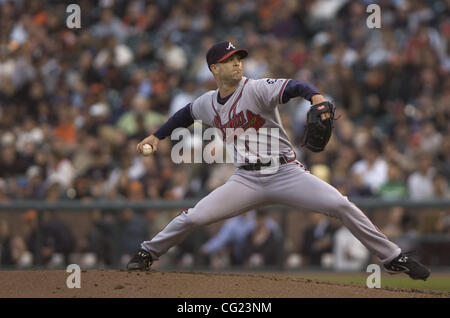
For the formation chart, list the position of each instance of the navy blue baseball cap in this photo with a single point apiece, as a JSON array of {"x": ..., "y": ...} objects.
[{"x": 221, "y": 51}]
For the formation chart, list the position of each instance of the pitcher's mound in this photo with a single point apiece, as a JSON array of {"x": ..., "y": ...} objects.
[{"x": 120, "y": 283}]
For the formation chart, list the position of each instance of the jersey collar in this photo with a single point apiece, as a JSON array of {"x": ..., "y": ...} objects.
[{"x": 230, "y": 97}]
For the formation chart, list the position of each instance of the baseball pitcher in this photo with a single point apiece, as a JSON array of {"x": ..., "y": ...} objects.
[{"x": 242, "y": 104}]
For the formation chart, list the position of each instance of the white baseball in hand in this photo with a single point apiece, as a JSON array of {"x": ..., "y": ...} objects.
[{"x": 147, "y": 149}]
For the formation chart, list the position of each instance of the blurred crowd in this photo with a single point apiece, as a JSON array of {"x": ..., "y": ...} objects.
[{"x": 75, "y": 102}]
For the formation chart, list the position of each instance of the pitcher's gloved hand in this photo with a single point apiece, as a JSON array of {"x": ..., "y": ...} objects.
[{"x": 319, "y": 126}]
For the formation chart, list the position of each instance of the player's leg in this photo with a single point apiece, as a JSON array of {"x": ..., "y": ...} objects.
[
  {"x": 296, "y": 187},
  {"x": 236, "y": 196}
]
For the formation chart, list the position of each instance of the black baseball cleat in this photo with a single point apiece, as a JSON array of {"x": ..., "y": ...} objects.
[
  {"x": 142, "y": 260},
  {"x": 405, "y": 264}
]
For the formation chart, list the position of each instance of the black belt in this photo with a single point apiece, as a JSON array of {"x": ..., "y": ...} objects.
[{"x": 257, "y": 165}]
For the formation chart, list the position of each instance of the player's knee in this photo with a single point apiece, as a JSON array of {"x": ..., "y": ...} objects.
[{"x": 340, "y": 205}]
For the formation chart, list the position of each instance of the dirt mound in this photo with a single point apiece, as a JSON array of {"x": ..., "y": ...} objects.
[{"x": 154, "y": 284}]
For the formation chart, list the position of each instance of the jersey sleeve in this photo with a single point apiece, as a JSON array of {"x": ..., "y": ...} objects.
[
  {"x": 268, "y": 92},
  {"x": 201, "y": 109}
]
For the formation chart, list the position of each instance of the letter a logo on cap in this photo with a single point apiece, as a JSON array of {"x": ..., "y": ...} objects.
[{"x": 230, "y": 46}]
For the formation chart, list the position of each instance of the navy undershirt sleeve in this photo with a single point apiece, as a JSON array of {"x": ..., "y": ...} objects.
[
  {"x": 182, "y": 118},
  {"x": 296, "y": 88}
]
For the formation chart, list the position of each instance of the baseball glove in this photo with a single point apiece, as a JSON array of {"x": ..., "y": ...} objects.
[{"x": 318, "y": 129}]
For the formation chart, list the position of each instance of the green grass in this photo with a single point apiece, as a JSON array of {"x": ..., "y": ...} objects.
[{"x": 437, "y": 282}]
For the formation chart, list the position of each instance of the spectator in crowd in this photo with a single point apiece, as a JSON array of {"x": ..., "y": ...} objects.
[
  {"x": 21, "y": 256},
  {"x": 317, "y": 239},
  {"x": 13, "y": 250},
  {"x": 5, "y": 245},
  {"x": 54, "y": 243},
  {"x": 372, "y": 168},
  {"x": 431, "y": 139},
  {"x": 348, "y": 253},
  {"x": 133, "y": 227},
  {"x": 444, "y": 158},
  {"x": 11, "y": 163},
  {"x": 102, "y": 241},
  {"x": 232, "y": 237},
  {"x": 188, "y": 252},
  {"x": 443, "y": 223},
  {"x": 358, "y": 188},
  {"x": 393, "y": 227},
  {"x": 4, "y": 198},
  {"x": 420, "y": 183},
  {"x": 36, "y": 182},
  {"x": 133, "y": 230},
  {"x": 394, "y": 187},
  {"x": 408, "y": 240},
  {"x": 60, "y": 168},
  {"x": 263, "y": 246},
  {"x": 441, "y": 187},
  {"x": 183, "y": 97}
]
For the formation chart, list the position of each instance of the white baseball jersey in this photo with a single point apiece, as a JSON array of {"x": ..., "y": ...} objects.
[{"x": 251, "y": 113}]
